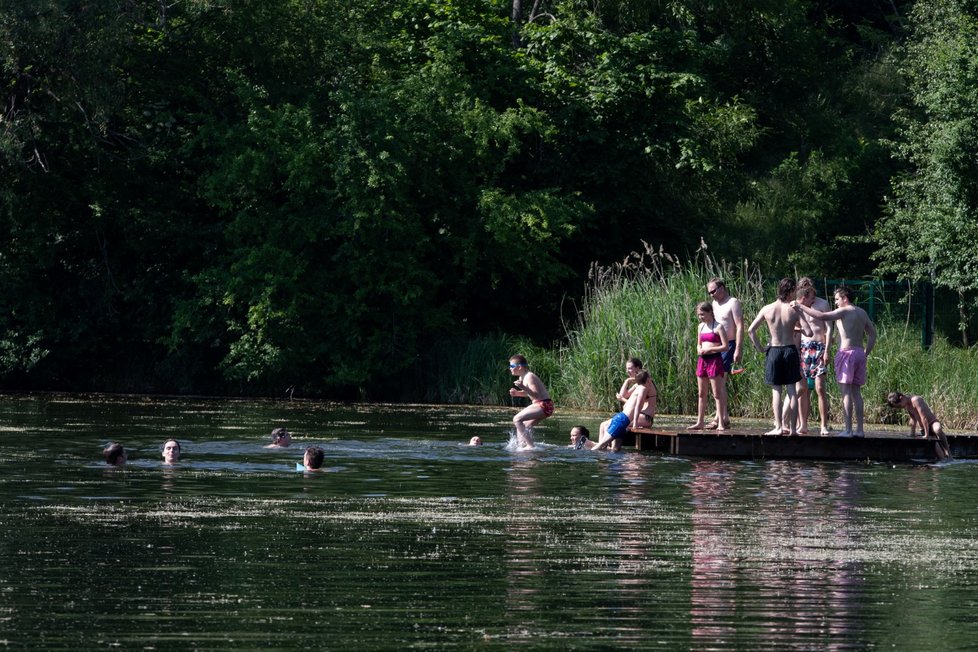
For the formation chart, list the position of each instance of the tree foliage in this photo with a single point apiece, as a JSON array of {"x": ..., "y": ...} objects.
[
  {"x": 240, "y": 196},
  {"x": 931, "y": 223}
]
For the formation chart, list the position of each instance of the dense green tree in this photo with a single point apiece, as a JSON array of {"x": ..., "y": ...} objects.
[{"x": 931, "y": 223}]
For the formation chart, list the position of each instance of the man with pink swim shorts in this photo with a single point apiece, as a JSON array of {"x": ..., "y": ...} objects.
[{"x": 850, "y": 361}]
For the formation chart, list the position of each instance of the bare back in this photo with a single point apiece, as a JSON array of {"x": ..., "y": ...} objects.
[{"x": 781, "y": 320}]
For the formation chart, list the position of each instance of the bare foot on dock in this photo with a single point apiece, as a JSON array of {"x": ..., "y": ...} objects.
[
  {"x": 859, "y": 433},
  {"x": 696, "y": 426},
  {"x": 722, "y": 429},
  {"x": 844, "y": 433},
  {"x": 825, "y": 432},
  {"x": 802, "y": 431},
  {"x": 775, "y": 431}
]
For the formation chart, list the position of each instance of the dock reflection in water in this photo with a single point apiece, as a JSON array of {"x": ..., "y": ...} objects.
[{"x": 413, "y": 539}]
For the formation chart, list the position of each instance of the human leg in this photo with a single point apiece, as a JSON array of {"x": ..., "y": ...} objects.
[
  {"x": 847, "y": 408},
  {"x": 792, "y": 400},
  {"x": 823, "y": 403},
  {"x": 941, "y": 447},
  {"x": 718, "y": 385},
  {"x": 702, "y": 389},
  {"x": 524, "y": 420},
  {"x": 804, "y": 404},
  {"x": 857, "y": 405},
  {"x": 776, "y": 408}
]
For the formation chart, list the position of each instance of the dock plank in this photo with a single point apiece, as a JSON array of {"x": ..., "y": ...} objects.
[{"x": 756, "y": 445}]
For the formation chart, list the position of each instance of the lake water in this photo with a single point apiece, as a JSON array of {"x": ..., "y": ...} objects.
[{"x": 411, "y": 539}]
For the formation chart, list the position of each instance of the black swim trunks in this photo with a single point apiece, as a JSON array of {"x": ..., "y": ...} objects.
[{"x": 782, "y": 365}]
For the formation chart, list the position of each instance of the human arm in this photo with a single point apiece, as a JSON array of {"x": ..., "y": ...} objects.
[
  {"x": 870, "y": 336},
  {"x": 738, "y": 319},
  {"x": 626, "y": 389},
  {"x": 752, "y": 331}
]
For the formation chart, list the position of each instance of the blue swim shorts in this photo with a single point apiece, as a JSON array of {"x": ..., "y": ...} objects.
[{"x": 618, "y": 424}]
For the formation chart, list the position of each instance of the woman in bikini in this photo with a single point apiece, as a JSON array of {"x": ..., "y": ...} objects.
[{"x": 711, "y": 341}]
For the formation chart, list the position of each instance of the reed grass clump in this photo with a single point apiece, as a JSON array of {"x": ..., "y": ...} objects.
[{"x": 645, "y": 307}]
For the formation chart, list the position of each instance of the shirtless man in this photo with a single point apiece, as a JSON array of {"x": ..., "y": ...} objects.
[
  {"x": 730, "y": 315},
  {"x": 921, "y": 415},
  {"x": 530, "y": 386},
  {"x": 783, "y": 363},
  {"x": 613, "y": 428},
  {"x": 814, "y": 358},
  {"x": 850, "y": 360}
]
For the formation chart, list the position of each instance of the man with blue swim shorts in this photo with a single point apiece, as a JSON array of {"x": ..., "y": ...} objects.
[
  {"x": 614, "y": 428},
  {"x": 729, "y": 313}
]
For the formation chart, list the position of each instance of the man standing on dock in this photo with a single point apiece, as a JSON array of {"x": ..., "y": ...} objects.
[
  {"x": 850, "y": 361},
  {"x": 728, "y": 312},
  {"x": 814, "y": 358},
  {"x": 782, "y": 367}
]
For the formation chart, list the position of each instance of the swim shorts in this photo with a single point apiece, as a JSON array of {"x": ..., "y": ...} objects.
[
  {"x": 618, "y": 424},
  {"x": 850, "y": 366},
  {"x": 710, "y": 366},
  {"x": 728, "y": 356},
  {"x": 782, "y": 365},
  {"x": 546, "y": 405},
  {"x": 811, "y": 358}
]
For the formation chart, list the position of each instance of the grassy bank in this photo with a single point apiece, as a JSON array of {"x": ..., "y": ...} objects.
[{"x": 645, "y": 307}]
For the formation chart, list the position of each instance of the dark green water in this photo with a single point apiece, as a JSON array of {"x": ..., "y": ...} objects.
[{"x": 412, "y": 539}]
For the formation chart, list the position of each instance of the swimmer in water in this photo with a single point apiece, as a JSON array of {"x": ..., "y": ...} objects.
[
  {"x": 115, "y": 454},
  {"x": 580, "y": 439},
  {"x": 475, "y": 441},
  {"x": 171, "y": 451},
  {"x": 313, "y": 458},
  {"x": 281, "y": 438}
]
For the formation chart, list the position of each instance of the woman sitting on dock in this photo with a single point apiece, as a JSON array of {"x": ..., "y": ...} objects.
[{"x": 647, "y": 416}]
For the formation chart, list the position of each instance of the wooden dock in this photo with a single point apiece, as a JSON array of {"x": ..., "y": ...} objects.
[{"x": 755, "y": 445}]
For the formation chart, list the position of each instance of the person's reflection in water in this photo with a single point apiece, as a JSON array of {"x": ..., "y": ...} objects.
[
  {"x": 808, "y": 583},
  {"x": 524, "y": 570},
  {"x": 713, "y": 594}
]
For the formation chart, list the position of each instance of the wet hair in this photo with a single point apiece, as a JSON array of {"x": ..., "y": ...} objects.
[
  {"x": 316, "y": 456},
  {"x": 279, "y": 433},
  {"x": 893, "y": 398},
  {"x": 636, "y": 362},
  {"x": 585, "y": 435},
  {"x": 519, "y": 359},
  {"x": 179, "y": 450},
  {"x": 845, "y": 291},
  {"x": 113, "y": 453},
  {"x": 706, "y": 306},
  {"x": 642, "y": 377},
  {"x": 786, "y": 287}
]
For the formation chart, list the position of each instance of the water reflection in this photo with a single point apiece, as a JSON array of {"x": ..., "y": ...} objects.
[
  {"x": 780, "y": 561},
  {"x": 416, "y": 540}
]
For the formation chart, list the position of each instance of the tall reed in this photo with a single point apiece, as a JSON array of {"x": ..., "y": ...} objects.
[{"x": 645, "y": 307}]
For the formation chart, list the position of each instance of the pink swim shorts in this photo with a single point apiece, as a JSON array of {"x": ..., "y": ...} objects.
[{"x": 850, "y": 366}]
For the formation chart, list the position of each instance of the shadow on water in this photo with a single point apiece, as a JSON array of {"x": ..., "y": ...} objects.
[{"x": 412, "y": 538}]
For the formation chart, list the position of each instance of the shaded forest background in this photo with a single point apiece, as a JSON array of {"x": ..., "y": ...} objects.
[{"x": 240, "y": 196}]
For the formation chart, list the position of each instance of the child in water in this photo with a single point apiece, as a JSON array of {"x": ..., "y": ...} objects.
[{"x": 530, "y": 386}]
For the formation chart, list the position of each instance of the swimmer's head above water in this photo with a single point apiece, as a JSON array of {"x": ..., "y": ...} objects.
[
  {"x": 281, "y": 438},
  {"x": 578, "y": 435},
  {"x": 475, "y": 441}
]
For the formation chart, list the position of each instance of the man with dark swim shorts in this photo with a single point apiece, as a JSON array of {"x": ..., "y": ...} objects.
[{"x": 782, "y": 364}]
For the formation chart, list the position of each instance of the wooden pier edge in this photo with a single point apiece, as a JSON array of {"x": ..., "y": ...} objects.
[{"x": 756, "y": 445}]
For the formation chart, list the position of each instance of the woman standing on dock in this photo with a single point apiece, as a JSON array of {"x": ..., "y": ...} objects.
[{"x": 711, "y": 341}]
